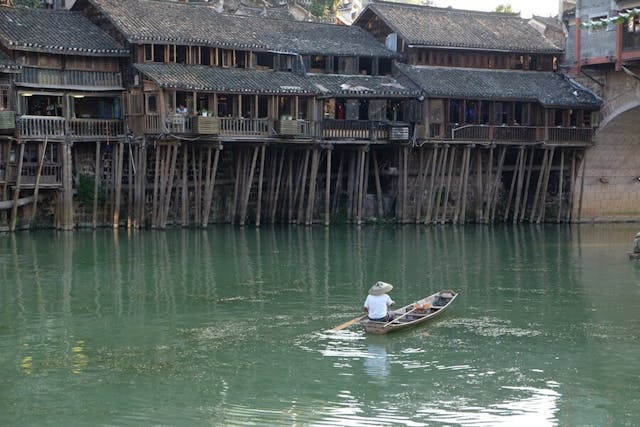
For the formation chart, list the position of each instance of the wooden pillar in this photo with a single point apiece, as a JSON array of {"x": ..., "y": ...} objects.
[
  {"x": 302, "y": 185},
  {"x": 312, "y": 185},
  {"x": 465, "y": 184},
  {"x": 448, "y": 186},
  {"x": 512, "y": 187},
  {"x": 525, "y": 197},
  {"x": 185, "y": 187},
  {"x": 493, "y": 199},
  {"x": 119, "y": 150},
  {"x": 560, "y": 186},
  {"x": 208, "y": 194},
  {"x": 156, "y": 188},
  {"x": 537, "y": 196},
  {"x": 434, "y": 162},
  {"x": 67, "y": 185},
  {"x": 96, "y": 184},
  {"x": 376, "y": 176},
  {"x": 545, "y": 186},
  {"x": 247, "y": 187}
]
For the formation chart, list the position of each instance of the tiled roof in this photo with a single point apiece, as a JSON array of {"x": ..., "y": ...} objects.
[
  {"x": 229, "y": 80},
  {"x": 454, "y": 28},
  {"x": 547, "y": 88},
  {"x": 240, "y": 80},
  {"x": 147, "y": 21},
  {"x": 61, "y": 32},
  {"x": 342, "y": 85}
]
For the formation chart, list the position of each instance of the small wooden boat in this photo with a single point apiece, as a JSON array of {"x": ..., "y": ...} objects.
[
  {"x": 633, "y": 255},
  {"x": 413, "y": 314}
]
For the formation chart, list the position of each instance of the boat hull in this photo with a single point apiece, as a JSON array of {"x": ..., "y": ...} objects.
[{"x": 413, "y": 314}]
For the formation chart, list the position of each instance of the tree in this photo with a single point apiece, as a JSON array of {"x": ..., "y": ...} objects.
[{"x": 505, "y": 8}]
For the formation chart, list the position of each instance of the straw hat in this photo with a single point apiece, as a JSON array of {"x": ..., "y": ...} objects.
[{"x": 380, "y": 288}]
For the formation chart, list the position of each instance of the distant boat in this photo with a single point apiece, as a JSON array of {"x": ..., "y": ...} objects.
[{"x": 413, "y": 314}]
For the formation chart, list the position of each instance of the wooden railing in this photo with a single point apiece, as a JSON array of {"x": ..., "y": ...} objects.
[
  {"x": 7, "y": 120},
  {"x": 41, "y": 126},
  {"x": 44, "y": 126},
  {"x": 509, "y": 133},
  {"x": 233, "y": 126},
  {"x": 353, "y": 129},
  {"x": 51, "y": 77},
  {"x": 96, "y": 128}
]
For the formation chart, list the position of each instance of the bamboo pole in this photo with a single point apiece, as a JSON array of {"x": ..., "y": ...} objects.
[
  {"x": 260, "y": 181},
  {"x": 37, "y": 186}
]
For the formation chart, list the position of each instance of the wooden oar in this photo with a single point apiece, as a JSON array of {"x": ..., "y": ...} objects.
[{"x": 349, "y": 323}]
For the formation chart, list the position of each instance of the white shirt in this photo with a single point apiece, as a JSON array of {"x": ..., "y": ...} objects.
[{"x": 377, "y": 305}]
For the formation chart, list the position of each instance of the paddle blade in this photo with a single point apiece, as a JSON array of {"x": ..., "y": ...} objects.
[{"x": 347, "y": 324}]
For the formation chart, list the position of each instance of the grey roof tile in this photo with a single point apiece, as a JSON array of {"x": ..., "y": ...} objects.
[
  {"x": 61, "y": 32},
  {"x": 547, "y": 88},
  {"x": 446, "y": 27},
  {"x": 199, "y": 24},
  {"x": 240, "y": 80}
]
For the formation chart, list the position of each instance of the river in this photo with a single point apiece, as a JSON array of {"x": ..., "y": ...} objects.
[{"x": 229, "y": 327}]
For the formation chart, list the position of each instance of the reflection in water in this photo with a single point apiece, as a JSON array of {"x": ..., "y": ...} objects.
[
  {"x": 229, "y": 326},
  {"x": 376, "y": 364}
]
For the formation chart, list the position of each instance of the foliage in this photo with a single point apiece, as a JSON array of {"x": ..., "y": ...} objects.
[
  {"x": 505, "y": 8},
  {"x": 85, "y": 193}
]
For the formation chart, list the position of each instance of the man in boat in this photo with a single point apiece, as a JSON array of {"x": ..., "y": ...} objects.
[
  {"x": 378, "y": 302},
  {"x": 636, "y": 244}
]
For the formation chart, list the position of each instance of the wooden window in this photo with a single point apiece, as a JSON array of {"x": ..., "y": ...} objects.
[
  {"x": 317, "y": 62},
  {"x": 152, "y": 103},
  {"x": 264, "y": 60},
  {"x": 148, "y": 53},
  {"x": 205, "y": 55},
  {"x": 181, "y": 54},
  {"x": 159, "y": 53},
  {"x": 172, "y": 53}
]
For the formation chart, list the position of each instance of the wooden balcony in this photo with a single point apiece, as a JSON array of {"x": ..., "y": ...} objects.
[
  {"x": 39, "y": 127},
  {"x": 516, "y": 134},
  {"x": 42, "y": 77},
  {"x": 233, "y": 126}
]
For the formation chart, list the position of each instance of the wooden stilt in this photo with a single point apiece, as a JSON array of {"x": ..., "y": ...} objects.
[
  {"x": 458, "y": 207},
  {"x": 514, "y": 178},
  {"x": 479, "y": 186},
  {"x": 487, "y": 187},
  {"x": 545, "y": 186},
  {"x": 236, "y": 185},
  {"x": 67, "y": 185},
  {"x": 572, "y": 186},
  {"x": 118, "y": 178},
  {"x": 277, "y": 188},
  {"x": 493, "y": 199},
  {"x": 5, "y": 185},
  {"x": 260, "y": 181},
  {"x": 442, "y": 172},
  {"x": 448, "y": 186},
  {"x": 360, "y": 185},
  {"x": 376, "y": 177},
  {"x": 338, "y": 186},
  {"x": 16, "y": 192},
  {"x": 525, "y": 196},
  {"x": 212, "y": 169},
  {"x": 583, "y": 166},
  {"x": 36, "y": 189},
  {"x": 170, "y": 180},
  {"x": 351, "y": 178},
  {"x": 130, "y": 184},
  {"x": 405, "y": 182},
  {"x": 327, "y": 188},
  {"x": 247, "y": 187},
  {"x": 185, "y": 187},
  {"x": 465, "y": 182},
  {"x": 434, "y": 161},
  {"x": 96, "y": 185},
  {"x": 290, "y": 193},
  {"x": 156, "y": 188},
  {"x": 560, "y": 187},
  {"x": 537, "y": 195},
  {"x": 315, "y": 160},
  {"x": 302, "y": 187}
]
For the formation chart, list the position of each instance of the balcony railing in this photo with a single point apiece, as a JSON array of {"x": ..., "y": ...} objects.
[
  {"x": 509, "y": 133},
  {"x": 233, "y": 126},
  {"x": 65, "y": 78},
  {"x": 50, "y": 174},
  {"x": 44, "y": 126},
  {"x": 353, "y": 129}
]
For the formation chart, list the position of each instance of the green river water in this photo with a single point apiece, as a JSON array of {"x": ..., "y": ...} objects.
[{"x": 229, "y": 327}]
